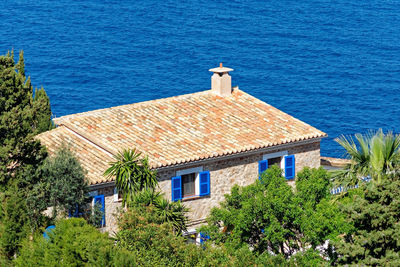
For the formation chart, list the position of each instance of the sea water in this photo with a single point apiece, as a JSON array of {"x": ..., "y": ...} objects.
[{"x": 332, "y": 64}]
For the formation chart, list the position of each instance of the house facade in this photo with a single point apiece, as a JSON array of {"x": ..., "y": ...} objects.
[{"x": 200, "y": 144}]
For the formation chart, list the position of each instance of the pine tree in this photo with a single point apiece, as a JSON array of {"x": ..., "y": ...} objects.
[{"x": 375, "y": 239}]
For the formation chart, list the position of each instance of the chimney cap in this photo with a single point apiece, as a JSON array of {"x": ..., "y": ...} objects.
[{"x": 220, "y": 69}]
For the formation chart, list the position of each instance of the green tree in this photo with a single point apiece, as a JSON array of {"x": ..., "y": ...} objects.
[
  {"x": 313, "y": 185},
  {"x": 21, "y": 117},
  {"x": 376, "y": 155},
  {"x": 375, "y": 214},
  {"x": 151, "y": 241},
  {"x": 269, "y": 216},
  {"x": 132, "y": 174},
  {"x": 72, "y": 243},
  {"x": 41, "y": 106},
  {"x": 264, "y": 215},
  {"x": 321, "y": 218},
  {"x": 64, "y": 182},
  {"x": 14, "y": 225}
]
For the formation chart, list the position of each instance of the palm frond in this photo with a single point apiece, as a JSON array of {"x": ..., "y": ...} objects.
[
  {"x": 132, "y": 174},
  {"x": 376, "y": 155}
]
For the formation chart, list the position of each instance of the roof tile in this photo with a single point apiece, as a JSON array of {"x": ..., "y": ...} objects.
[{"x": 180, "y": 129}]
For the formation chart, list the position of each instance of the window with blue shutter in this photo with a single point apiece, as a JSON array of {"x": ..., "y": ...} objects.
[
  {"x": 262, "y": 166},
  {"x": 99, "y": 201},
  {"x": 289, "y": 167},
  {"x": 204, "y": 183},
  {"x": 176, "y": 188}
]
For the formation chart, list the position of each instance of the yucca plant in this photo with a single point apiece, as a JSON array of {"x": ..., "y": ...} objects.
[
  {"x": 146, "y": 197},
  {"x": 132, "y": 174},
  {"x": 172, "y": 212},
  {"x": 376, "y": 155}
]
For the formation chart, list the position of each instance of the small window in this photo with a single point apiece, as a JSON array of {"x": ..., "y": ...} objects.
[
  {"x": 191, "y": 237},
  {"x": 275, "y": 161},
  {"x": 281, "y": 159},
  {"x": 189, "y": 185}
]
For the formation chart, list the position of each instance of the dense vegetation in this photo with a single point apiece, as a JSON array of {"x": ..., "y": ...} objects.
[
  {"x": 267, "y": 223},
  {"x": 30, "y": 180}
]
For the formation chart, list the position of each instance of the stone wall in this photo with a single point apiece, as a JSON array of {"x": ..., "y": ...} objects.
[
  {"x": 239, "y": 170},
  {"x": 111, "y": 208},
  {"x": 224, "y": 173}
]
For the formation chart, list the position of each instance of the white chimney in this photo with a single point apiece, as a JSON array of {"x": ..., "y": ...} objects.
[{"x": 221, "y": 83}]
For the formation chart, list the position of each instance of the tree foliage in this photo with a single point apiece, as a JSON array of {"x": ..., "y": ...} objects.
[
  {"x": 170, "y": 212},
  {"x": 64, "y": 182},
  {"x": 14, "y": 224},
  {"x": 21, "y": 117},
  {"x": 321, "y": 218},
  {"x": 375, "y": 214},
  {"x": 270, "y": 217},
  {"x": 72, "y": 243},
  {"x": 151, "y": 241}
]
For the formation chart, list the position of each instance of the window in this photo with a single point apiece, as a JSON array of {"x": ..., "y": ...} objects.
[
  {"x": 117, "y": 195},
  {"x": 282, "y": 159},
  {"x": 188, "y": 183},
  {"x": 275, "y": 161},
  {"x": 191, "y": 237}
]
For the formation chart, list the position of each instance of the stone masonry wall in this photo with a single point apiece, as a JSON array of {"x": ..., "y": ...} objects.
[
  {"x": 240, "y": 170},
  {"x": 223, "y": 175},
  {"x": 111, "y": 208}
]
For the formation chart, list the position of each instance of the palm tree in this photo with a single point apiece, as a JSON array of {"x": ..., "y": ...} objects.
[
  {"x": 137, "y": 183},
  {"x": 377, "y": 155},
  {"x": 132, "y": 174}
]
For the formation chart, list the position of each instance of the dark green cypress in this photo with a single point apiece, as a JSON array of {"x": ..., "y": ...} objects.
[{"x": 21, "y": 118}]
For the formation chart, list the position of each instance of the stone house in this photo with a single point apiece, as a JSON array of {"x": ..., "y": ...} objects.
[{"x": 200, "y": 144}]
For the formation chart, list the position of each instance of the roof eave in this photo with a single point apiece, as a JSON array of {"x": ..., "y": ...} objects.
[{"x": 240, "y": 154}]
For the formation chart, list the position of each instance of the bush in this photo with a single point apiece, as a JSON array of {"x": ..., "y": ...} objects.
[{"x": 72, "y": 243}]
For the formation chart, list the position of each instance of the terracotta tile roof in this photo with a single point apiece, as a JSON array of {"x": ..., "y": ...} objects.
[
  {"x": 93, "y": 159},
  {"x": 190, "y": 127}
]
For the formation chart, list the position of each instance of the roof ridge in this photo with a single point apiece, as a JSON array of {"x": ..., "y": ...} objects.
[{"x": 60, "y": 120}]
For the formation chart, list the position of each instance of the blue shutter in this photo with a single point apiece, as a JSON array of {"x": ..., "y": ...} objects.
[
  {"x": 176, "y": 188},
  {"x": 76, "y": 213},
  {"x": 262, "y": 166},
  {"x": 48, "y": 231},
  {"x": 203, "y": 237},
  {"x": 100, "y": 200},
  {"x": 204, "y": 183},
  {"x": 289, "y": 167}
]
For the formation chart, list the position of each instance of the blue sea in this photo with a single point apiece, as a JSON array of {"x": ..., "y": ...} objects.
[{"x": 332, "y": 64}]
